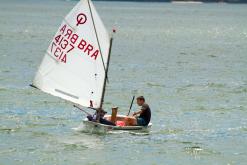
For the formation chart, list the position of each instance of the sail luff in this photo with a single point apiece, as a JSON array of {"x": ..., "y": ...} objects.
[
  {"x": 96, "y": 35},
  {"x": 108, "y": 60}
]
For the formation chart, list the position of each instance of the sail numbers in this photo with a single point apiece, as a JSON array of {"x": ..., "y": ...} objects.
[{"x": 66, "y": 41}]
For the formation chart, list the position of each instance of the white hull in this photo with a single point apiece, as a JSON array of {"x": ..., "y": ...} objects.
[{"x": 93, "y": 127}]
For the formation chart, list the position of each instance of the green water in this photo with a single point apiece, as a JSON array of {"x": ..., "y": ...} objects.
[{"x": 188, "y": 60}]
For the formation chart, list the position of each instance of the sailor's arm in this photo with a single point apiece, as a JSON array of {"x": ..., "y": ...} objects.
[{"x": 137, "y": 113}]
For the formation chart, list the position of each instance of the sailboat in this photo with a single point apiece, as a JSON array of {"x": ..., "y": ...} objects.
[{"x": 76, "y": 63}]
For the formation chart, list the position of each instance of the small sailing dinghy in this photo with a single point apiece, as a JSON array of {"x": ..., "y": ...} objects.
[{"x": 76, "y": 62}]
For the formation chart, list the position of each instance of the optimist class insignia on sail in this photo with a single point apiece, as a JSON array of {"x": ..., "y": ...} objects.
[{"x": 66, "y": 40}]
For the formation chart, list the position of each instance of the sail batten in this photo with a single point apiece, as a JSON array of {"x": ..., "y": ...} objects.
[{"x": 72, "y": 68}]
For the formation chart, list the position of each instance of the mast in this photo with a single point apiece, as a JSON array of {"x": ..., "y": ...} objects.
[
  {"x": 108, "y": 60},
  {"x": 106, "y": 71}
]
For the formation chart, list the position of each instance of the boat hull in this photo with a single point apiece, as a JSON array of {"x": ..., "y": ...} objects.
[{"x": 94, "y": 127}]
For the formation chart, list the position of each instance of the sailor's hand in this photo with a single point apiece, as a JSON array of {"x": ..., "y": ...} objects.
[{"x": 134, "y": 114}]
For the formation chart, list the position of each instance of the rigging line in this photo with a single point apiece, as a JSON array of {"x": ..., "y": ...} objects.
[{"x": 101, "y": 55}]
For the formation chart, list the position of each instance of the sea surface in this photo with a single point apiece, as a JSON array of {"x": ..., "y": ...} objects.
[{"x": 188, "y": 60}]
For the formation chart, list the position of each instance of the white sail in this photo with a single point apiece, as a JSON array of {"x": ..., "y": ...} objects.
[{"x": 72, "y": 67}]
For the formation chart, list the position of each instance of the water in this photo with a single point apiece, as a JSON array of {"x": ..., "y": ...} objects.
[{"x": 188, "y": 60}]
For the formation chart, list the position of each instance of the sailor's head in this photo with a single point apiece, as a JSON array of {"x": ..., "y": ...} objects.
[{"x": 140, "y": 100}]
